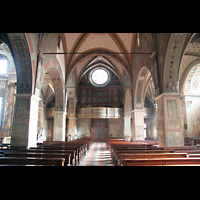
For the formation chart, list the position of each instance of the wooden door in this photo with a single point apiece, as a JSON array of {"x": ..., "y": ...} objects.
[{"x": 99, "y": 130}]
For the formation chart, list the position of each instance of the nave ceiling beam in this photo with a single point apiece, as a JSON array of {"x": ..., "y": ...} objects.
[{"x": 101, "y": 53}]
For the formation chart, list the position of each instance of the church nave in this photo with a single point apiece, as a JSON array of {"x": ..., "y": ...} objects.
[{"x": 98, "y": 155}]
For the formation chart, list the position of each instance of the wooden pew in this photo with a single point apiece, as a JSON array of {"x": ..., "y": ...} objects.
[
  {"x": 115, "y": 149},
  {"x": 73, "y": 160},
  {"x": 79, "y": 145},
  {"x": 161, "y": 161},
  {"x": 122, "y": 157},
  {"x": 183, "y": 148},
  {"x": 66, "y": 156},
  {"x": 9, "y": 150},
  {"x": 32, "y": 161},
  {"x": 64, "y": 148},
  {"x": 180, "y": 158},
  {"x": 71, "y": 151},
  {"x": 194, "y": 155},
  {"x": 120, "y": 141},
  {"x": 23, "y": 150},
  {"x": 83, "y": 142},
  {"x": 117, "y": 153},
  {"x": 141, "y": 153},
  {"x": 4, "y": 146}
]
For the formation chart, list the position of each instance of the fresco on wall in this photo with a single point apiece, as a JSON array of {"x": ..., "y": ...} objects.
[
  {"x": 193, "y": 80},
  {"x": 173, "y": 121}
]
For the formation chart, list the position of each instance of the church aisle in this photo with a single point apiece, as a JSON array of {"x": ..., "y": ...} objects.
[{"x": 98, "y": 155}]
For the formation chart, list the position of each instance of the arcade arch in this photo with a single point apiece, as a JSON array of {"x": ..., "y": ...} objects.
[
  {"x": 117, "y": 87},
  {"x": 190, "y": 98},
  {"x": 52, "y": 101},
  {"x": 148, "y": 67},
  {"x": 8, "y": 88},
  {"x": 144, "y": 115}
]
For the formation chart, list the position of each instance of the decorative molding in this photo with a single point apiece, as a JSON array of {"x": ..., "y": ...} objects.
[
  {"x": 172, "y": 62},
  {"x": 167, "y": 95}
]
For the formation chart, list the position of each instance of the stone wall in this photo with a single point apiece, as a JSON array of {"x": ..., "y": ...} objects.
[
  {"x": 196, "y": 116},
  {"x": 84, "y": 128},
  {"x": 115, "y": 128},
  {"x": 190, "y": 114}
]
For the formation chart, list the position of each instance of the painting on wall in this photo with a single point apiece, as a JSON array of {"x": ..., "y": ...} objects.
[
  {"x": 195, "y": 86},
  {"x": 173, "y": 121}
]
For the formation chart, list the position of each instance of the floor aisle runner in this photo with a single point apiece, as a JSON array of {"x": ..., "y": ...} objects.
[{"x": 98, "y": 155}]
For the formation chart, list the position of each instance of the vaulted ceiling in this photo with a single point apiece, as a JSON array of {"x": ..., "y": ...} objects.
[
  {"x": 111, "y": 42},
  {"x": 121, "y": 51},
  {"x": 119, "y": 43}
]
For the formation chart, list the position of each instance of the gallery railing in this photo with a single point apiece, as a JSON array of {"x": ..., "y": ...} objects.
[{"x": 100, "y": 112}]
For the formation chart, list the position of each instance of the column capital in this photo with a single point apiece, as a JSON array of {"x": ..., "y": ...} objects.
[
  {"x": 59, "y": 112},
  {"x": 138, "y": 110},
  {"x": 72, "y": 118},
  {"x": 190, "y": 95},
  {"x": 28, "y": 96},
  {"x": 23, "y": 95},
  {"x": 168, "y": 95}
]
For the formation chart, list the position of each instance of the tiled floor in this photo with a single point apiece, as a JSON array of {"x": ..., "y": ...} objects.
[{"x": 98, "y": 155}]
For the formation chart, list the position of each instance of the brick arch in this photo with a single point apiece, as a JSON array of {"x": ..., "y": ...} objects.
[
  {"x": 30, "y": 42},
  {"x": 57, "y": 77},
  {"x": 174, "y": 52},
  {"x": 99, "y": 51},
  {"x": 18, "y": 45},
  {"x": 139, "y": 88},
  {"x": 147, "y": 62},
  {"x": 184, "y": 77},
  {"x": 128, "y": 103}
]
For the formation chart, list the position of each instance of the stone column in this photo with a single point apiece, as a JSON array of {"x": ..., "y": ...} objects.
[
  {"x": 9, "y": 104},
  {"x": 138, "y": 124},
  {"x": 24, "y": 131},
  {"x": 170, "y": 130},
  {"x": 155, "y": 123},
  {"x": 72, "y": 128},
  {"x": 127, "y": 112},
  {"x": 33, "y": 121},
  {"x": 186, "y": 105},
  {"x": 59, "y": 126},
  {"x": 127, "y": 128},
  {"x": 40, "y": 119}
]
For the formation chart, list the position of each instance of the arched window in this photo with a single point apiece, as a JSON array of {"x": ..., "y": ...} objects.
[
  {"x": 99, "y": 77},
  {"x": 3, "y": 64},
  {"x": 193, "y": 80}
]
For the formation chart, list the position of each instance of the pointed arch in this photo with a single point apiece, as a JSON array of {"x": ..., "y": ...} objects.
[
  {"x": 18, "y": 45},
  {"x": 54, "y": 69},
  {"x": 173, "y": 55},
  {"x": 140, "y": 88}
]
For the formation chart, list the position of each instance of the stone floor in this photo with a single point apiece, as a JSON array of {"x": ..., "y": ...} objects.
[{"x": 98, "y": 155}]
